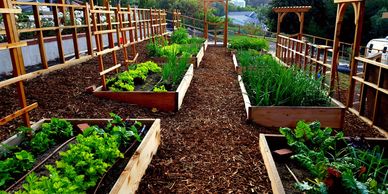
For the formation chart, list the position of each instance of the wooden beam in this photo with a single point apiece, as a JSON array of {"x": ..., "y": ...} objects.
[
  {"x": 385, "y": 15},
  {"x": 18, "y": 113}
]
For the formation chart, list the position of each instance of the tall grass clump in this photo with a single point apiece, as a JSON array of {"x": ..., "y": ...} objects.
[
  {"x": 269, "y": 83},
  {"x": 245, "y": 43},
  {"x": 173, "y": 71}
]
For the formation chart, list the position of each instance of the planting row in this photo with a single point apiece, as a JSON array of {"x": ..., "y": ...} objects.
[
  {"x": 78, "y": 156},
  {"x": 163, "y": 82},
  {"x": 278, "y": 96}
]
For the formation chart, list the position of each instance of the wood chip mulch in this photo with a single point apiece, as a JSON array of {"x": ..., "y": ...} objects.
[{"x": 206, "y": 147}]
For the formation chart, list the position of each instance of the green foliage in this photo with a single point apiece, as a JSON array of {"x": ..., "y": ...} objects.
[
  {"x": 174, "y": 69},
  {"x": 16, "y": 165},
  {"x": 348, "y": 170},
  {"x": 245, "y": 43},
  {"x": 125, "y": 80},
  {"x": 159, "y": 89},
  {"x": 269, "y": 83},
  {"x": 180, "y": 36},
  {"x": 154, "y": 48},
  {"x": 81, "y": 166},
  {"x": 19, "y": 162}
]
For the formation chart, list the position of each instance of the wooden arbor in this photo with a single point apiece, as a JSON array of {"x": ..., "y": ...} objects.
[
  {"x": 283, "y": 11},
  {"x": 359, "y": 8},
  {"x": 206, "y": 27},
  {"x": 298, "y": 10}
]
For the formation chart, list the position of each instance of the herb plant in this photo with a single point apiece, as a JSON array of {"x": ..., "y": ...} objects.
[{"x": 269, "y": 83}]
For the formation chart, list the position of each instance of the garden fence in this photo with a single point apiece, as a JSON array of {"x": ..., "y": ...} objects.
[
  {"x": 367, "y": 86},
  {"x": 125, "y": 27}
]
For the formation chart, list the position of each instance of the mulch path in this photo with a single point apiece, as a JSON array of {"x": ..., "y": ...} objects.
[{"x": 206, "y": 147}]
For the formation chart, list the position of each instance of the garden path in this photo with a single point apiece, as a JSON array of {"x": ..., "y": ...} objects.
[{"x": 207, "y": 146}]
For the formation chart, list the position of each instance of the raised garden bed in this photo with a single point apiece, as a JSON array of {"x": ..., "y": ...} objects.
[
  {"x": 124, "y": 175},
  {"x": 287, "y": 116},
  {"x": 164, "y": 101},
  {"x": 282, "y": 180},
  {"x": 197, "y": 59}
]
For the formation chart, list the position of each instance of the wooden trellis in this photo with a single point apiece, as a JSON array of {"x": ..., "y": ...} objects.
[
  {"x": 128, "y": 26},
  {"x": 206, "y": 23},
  {"x": 13, "y": 46}
]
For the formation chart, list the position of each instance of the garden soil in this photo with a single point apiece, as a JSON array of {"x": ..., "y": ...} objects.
[{"x": 206, "y": 147}]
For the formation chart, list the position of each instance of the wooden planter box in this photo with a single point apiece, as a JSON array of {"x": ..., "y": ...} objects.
[
  {"x": 129, "y": 180},
  {"x": 288, "y": 116},
  {"x": 269, "y": 143},
  {"x": 164, "y": 101},
  {"x": 194, "y": 60}
]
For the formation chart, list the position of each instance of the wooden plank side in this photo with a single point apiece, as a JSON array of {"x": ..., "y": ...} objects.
[
  {"x": 200, "y": 55},
  {"x": 247, "y": 102},
  {"x": 184, "y": 85},
  {"x": 130, "y": 178},
  {"x": 273, "y": 174},
  {"x": 164, "y": 101},
  {"x": 283, "y": 116}
]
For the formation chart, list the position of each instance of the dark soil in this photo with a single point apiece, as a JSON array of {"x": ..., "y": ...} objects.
[{"x": 206, "y": 147}]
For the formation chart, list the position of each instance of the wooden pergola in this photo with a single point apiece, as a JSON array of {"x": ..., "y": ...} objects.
[
  {"x": 206, "y": 23},
  {"x": 298, "y": 10},
  {"x": 359, "y": 9}
]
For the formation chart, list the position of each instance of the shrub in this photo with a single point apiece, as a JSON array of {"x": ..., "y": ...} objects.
[{"x": 245, "y": 43}]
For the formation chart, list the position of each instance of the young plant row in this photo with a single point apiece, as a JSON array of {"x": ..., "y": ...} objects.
[
  {"x": 353, "y": 168},
  {"x": 246, "y": 43},
  {"x": 269, "y": 83},
  {"x": 180, "y": 41},
  {"x": 85, "y": 161},
  {"x": 17, "y": 160}
]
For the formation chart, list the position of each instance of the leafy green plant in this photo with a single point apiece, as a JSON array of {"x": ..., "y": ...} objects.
[
  {"x": 245, "y": 43},
  {"x": 153, "y": 48},
  {"x": 269, "y": 83},
  {"x": 125, "y": 81},
  {"x": 347, "y": 170},
  {"x": 180, "y": 36},
  {"x": 80, "y": 167},
  {"x": 159, "y": 89}
]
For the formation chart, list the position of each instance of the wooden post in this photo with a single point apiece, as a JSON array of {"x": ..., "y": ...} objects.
[
  {"x": 226, "y": 25},
  {"x": 16, "y": 55},
  {"x": 89, "y": 41},
  {"x": 59, "y": 35},
  {"x": 152, "y": 25},
  {"x": 40, "y": 38},
  {"x": 74, "y": 33},
  {"x": 359, "y": 8},
  {"x": 205, "y": 25},
  {"x": 131, "y": 32}
]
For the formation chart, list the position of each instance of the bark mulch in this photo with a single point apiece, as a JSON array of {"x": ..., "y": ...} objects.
[{"x": 206, "y": 147}]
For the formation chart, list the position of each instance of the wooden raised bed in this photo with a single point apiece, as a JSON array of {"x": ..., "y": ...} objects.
[
  {"x": 269, "y": 143},
  {"x": 288, "y": 116},
  {"x": 195, "y": 60},
  {"x": 164, "y": 101},
  {"x": 129, "y": 180}
]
